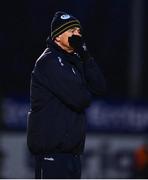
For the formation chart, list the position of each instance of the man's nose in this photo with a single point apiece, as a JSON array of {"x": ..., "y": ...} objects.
[{"x": 76, "y": 32}]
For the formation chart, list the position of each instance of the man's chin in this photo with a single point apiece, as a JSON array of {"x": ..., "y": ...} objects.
[{"x": 71, "y": 49}]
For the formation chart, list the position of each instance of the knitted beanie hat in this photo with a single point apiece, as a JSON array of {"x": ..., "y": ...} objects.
[{"x": 61, "y": 22}]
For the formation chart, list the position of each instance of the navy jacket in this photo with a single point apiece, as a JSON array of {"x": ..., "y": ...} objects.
[{"x": 61, "y": 89}]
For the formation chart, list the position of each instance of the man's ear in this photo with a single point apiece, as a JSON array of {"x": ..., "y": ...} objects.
[{"x": 57, "y": 39}]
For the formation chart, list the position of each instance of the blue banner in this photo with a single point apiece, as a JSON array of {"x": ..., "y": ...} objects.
[
  {"x": 102, "y": 116},
  {"x": 118, "y": 117}
]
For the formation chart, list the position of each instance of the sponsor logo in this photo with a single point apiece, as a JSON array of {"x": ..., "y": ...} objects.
[
  {"x": 65, "y": 16},
  {"x": 48, "y": 159}
]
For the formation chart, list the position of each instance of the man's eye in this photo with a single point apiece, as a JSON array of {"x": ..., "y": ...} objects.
[{"x": 71, "y": 30}]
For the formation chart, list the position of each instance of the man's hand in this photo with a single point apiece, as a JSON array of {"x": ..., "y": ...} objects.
[{"x": 77, "y": 43}]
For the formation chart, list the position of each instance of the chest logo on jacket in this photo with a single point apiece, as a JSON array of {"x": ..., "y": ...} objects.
[
  {"x": 60, "y": 61},
  {"x": 73, "y": 71}
]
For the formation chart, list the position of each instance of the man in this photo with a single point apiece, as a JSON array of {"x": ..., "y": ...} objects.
[{"x": 63, "y": 82}]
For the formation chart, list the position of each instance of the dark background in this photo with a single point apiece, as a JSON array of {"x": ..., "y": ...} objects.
[{"x": 107, "y": 24}]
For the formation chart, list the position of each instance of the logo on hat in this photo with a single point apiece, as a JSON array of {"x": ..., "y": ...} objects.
[{"x": 65, "y": 16}]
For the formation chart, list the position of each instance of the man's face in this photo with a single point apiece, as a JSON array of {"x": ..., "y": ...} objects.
[{"x": 62, "y": 39}]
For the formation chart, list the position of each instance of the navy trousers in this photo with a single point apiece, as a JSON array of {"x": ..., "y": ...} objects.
[{"x": 57, "y": 166}]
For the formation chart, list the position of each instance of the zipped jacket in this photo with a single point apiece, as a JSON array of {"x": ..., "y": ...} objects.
[{"x": 61, "y": 89}]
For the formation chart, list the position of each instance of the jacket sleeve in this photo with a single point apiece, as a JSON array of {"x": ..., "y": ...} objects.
[
  {"x": 62, "y": 83},
  {"x": 94, "y": 77}
]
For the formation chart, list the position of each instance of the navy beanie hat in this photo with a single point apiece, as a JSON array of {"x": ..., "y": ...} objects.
[{"x": 61, "y": 22}]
